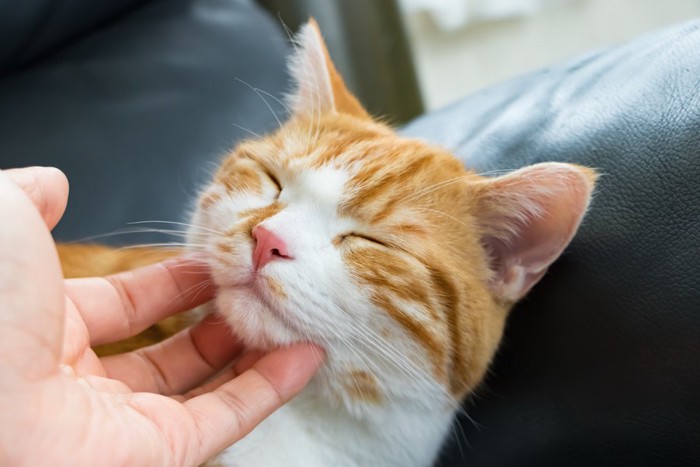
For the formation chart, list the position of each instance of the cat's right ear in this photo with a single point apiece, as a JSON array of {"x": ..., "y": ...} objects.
[
  {"x": 527, "y": 218},
  {"x": 319, "y": 88}
]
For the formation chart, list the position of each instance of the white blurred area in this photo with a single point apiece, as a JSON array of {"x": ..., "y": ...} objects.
[{"x": 460, "y": 46}]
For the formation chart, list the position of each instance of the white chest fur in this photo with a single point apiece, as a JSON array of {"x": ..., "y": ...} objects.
[{"x": 308, "y": 433}]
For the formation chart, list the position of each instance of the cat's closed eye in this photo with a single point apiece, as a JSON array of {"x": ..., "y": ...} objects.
[
  {"x": 274, "y": 180},
  {"x": 361, "y": 237}
]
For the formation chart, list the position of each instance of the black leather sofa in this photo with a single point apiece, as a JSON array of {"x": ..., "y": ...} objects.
[{"x": 136, "y": 99}]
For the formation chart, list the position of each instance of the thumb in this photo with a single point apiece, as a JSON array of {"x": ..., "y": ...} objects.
[
  {"x": 46, "y": 187},
  {"x": 31, "y": 294}
]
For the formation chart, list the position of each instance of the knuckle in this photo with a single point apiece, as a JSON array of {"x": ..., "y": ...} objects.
[{"x": 127, "y": 303}]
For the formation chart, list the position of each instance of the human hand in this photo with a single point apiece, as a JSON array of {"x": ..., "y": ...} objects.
[{"x": 62, "y": 405}]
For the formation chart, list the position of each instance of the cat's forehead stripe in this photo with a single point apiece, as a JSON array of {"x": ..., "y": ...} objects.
[{"x": 395, "y": 181}]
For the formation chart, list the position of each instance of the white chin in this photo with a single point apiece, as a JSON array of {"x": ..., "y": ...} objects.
[{"x": 253, "y": 321}]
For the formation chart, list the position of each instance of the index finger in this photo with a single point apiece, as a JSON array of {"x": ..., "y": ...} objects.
[{"x": 122, "y": 305}]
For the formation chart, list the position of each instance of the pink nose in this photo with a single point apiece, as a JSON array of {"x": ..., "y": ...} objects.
[{"x": 268, "y": 246}]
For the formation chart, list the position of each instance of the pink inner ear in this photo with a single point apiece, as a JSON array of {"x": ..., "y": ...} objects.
[{"x": 531, "y": 215}]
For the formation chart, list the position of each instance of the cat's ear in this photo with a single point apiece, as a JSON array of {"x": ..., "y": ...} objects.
[
  {"x": 319, "y": 88},
  {"x": 528, "y": 217}
]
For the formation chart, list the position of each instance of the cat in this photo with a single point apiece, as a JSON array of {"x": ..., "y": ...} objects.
[{"x": 385, "y": 251}]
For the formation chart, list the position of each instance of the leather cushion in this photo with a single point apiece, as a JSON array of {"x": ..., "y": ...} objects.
[
  {"x": 32, "y": 28},
  {"x": 599, "y": 364},
  {"x": 138, "y": 112}
]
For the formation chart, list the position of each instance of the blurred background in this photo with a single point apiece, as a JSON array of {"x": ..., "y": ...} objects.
[
  {"x": 405, "y": 57},
  {"x": 99, "y": 88},
  {"x": 460, "y": 46}
]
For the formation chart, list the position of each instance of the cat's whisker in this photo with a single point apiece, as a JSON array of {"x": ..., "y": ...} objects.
[
  {"x": 184, "y": 224},
  {"x": 495, "y": 172},
  {"x": 178, "y": 246},
  {"x": 307, "y": 334},
  {"x": 457, "y": 430},
  {"x": 203, "y": 286},
  {"x": 393, "y": 356},
  {"x": 195, "y": 289},
  {"x": 426, "y": 191},
  {"x": 332, "y": 328},
  {"x": 192, "y": 268},
  {"x": 430, "y": 189},
  {"x": 348, "y": 344},
  {"x": 193, "y": 272},
  {"x": 463, "y": 412},
  {"x": 436, "y": 211},
  {"x": 221, "y": 320},
  {"x": 419, "y": 378},
  {"x": 259, "y": 94},
  {"x": 198, "y": 287},
  {"x": 366, "y": 362},
  {"x": 250, "y": 132},
  {"x": 177, "y": 233},
  {"x": 126, "y": 231},
  {"x": 279, "y": 101},
  {"x": 290, "y": 34},
  {"x": 417, "y": 374},
  {"x": 397, "y": 359},
  {"x": 328, "y": 345}
]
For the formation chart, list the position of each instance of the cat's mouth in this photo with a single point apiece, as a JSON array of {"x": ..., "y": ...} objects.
[
  {"x": 270, "y": 292},
  {"x": 258, "y": 306}
]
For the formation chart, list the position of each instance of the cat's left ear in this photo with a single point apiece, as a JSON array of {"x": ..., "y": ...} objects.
[
  {"x": 527, "y": 218},
  {"x": 319, "y": 88}
]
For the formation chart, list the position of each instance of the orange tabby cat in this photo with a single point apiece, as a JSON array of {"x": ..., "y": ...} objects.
[{"x": 385, "y": 251}]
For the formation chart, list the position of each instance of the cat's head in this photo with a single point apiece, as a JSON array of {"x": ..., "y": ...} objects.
[{"x": 384, "y": 250}]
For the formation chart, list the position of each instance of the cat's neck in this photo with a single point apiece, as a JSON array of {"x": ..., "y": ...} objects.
[
  {"x": 315, "y": 430},
  {"x": 402, "y": 429}
]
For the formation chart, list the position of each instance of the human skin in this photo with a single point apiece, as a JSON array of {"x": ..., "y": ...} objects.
[{"x": 62, "y": 405}]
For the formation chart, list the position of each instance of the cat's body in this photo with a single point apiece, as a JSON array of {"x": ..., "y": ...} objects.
[{"x": 386, "y": 252}]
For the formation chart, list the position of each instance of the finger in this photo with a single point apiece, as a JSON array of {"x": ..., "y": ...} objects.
[
  {"x": 122, "y": 305},
  {"x": 46, "y": 187},
  {"x": 179, "y": 362},
  {"x": 31, "y": 297},
  {"x": 244, "y": 363},
  {"x": 230, "y": 412}
]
